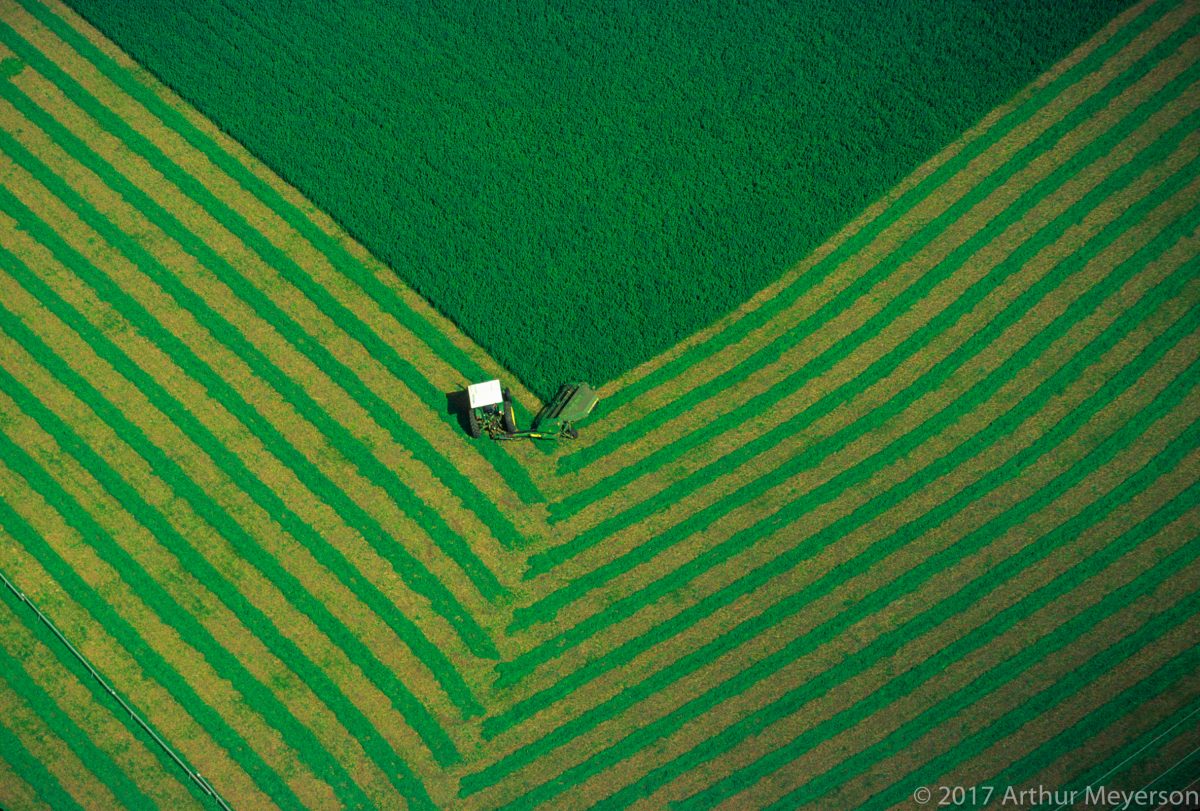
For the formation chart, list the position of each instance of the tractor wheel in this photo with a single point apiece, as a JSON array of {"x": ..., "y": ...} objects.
[
  {"x": 473, "y": 424},
  {"x": 508, "y": 417}
]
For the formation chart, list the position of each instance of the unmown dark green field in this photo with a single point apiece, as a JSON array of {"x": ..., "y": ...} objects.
[{"x": 581, "y": 186}]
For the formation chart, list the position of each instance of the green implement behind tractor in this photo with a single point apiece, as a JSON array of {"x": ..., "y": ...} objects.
[{"x": 490, "y": 411}]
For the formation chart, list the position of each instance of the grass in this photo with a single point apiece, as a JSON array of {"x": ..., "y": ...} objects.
[
  {"x": 229, "y": 474},
  {"x": 555, "y": 217}
]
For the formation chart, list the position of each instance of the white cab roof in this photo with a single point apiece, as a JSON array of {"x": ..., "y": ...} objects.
[{"x": 485, "y": 394}]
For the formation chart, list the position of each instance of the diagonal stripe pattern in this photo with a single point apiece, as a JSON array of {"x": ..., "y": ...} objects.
[{"x": 922, "y": 513}]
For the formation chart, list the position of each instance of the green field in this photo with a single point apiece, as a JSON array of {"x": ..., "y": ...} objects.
[
  {"x": 921, "y": 512},
  {"x": 580, "y": 186}
]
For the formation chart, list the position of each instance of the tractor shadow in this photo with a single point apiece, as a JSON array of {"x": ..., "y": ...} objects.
[{"x": 458, "y": 405}]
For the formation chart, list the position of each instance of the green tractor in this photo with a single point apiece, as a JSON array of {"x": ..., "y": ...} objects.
[{"x": 490, "y": 411}]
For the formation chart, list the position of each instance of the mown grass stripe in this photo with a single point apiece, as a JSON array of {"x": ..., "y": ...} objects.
[
  {"x": 229, "y": 464},
  {"x": 350, "y": 446},
  {"x": 910, "y": 347},
  {"x": 739, "y": 328},
  {"x": 797, "y": 601},
  {"x": 882, "y": 367},
  {"x": 996, "y": 676},
  {"x": 844, "y": 300},
  {"x": 1143, "y": 748},
  {"x": 229, "y": 219},
  {"x": 61, "y": 758},
  {"x": 1124, "y": 704},
  {"x": 744, "y": 632},
  {"x": 70, "y": 664},
  {"x": 414, "y": 713},
  {"x": 147, "y": 658},
  {"x": 34, "y": 771},
  {"x": 17, "y": 790},
  {"x": 980, "y": 442},
  {"x": 293, "y": 590},
  {"x": 97, "y": 761},
  {"x": 411, "y": 570},
  {"x": 626, "y": 651},
  {"x": 430, "y": 655},
  {"x": 1118, "y": 709},
  {"x": 905, "y": 583},
  {"x": 797, "y": 509},
  {"x": 547, "y": 606},
  {"x": 1044, "y": 701},
  {"x": 336, "y": 254},
  {"x": 1178, "y": 776},
  {"x": 629, "y": 649},
  {"x": 309, "y": 749}
]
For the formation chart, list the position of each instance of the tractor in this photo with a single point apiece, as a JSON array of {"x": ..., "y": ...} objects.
[{"x": 490, "y": 411}]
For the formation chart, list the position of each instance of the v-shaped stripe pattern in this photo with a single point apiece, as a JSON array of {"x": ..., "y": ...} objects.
[{"x": 921, "y": 514}]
